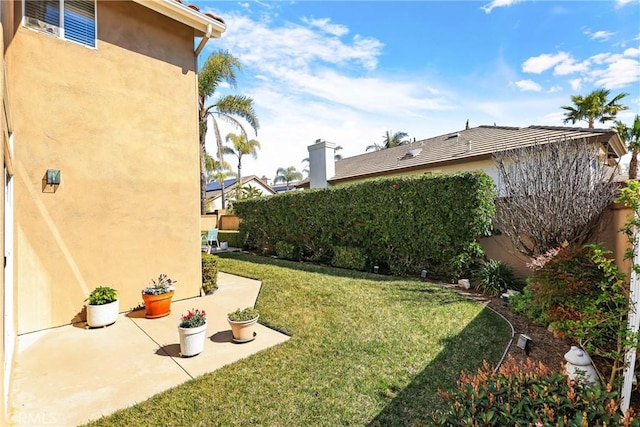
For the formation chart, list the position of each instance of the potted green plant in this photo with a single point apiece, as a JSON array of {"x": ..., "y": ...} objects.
[
  {"x": 192, "y": 330},
  {"x": 243, "y": 324},
  {"x": 102, "y": 307},
  {"x": 157, "y": 297}
]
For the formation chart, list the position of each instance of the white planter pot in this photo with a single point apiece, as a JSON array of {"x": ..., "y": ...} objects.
[
  {"x": 192, "y": 340},
  {"x": 102, "y": 315}
]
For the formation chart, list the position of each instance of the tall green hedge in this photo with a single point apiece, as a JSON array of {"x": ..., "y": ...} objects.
[{"x": 402, "y": 224}]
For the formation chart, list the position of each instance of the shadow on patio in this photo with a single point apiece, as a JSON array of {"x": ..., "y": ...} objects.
[{"x": 69, "y": 375}]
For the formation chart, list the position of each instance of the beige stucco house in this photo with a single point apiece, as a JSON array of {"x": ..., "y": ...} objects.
[
  {"x": 100, "y": 153},
  {"x": 464, "y": 150}
]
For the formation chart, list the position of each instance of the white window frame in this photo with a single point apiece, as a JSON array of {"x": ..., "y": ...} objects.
[{"x": 59, "y": 30}]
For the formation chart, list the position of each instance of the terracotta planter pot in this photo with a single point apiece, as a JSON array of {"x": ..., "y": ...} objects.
[
  {"x": 102, "y": 315},
  {"x": 157, "y": 305},
  {"x": 243, "y": 331},
  {"x": 192, "y": 340}
]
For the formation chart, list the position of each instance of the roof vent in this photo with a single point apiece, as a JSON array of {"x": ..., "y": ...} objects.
[
  {"x": 453, "y": 135},
  {"x": 411, "y": 153}
]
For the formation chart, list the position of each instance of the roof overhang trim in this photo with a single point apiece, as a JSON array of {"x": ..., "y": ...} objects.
[{"x": 202, "y": 24}]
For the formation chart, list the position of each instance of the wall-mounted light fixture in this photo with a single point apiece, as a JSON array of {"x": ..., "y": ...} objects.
[
  {"x": 51, "y": 181},
  {"x": 53, "y": 176}
]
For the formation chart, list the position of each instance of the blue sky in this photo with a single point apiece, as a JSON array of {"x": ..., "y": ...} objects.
[{"x": 348, "y": 71}]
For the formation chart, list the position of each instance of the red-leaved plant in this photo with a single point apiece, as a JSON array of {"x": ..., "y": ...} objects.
[{"x": 193, "y": 318}]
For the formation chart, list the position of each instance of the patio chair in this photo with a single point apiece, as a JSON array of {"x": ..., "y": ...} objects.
[
  {"x": 212, "y": 236},
  {"x": 204, "y": 243}
]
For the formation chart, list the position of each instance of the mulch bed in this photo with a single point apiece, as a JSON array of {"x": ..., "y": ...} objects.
[{"x": 544, "y": 347}]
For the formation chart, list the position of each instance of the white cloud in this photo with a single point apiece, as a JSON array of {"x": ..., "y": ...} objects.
[
  {"x": 576, "y": 84},
  {"x": 307, "y": 83},
  {"x": 541, "y": 63},
  {"x": 632, "y": 51},
  {"x": 295, "y": 46},
  {"x": 553, "y": 118},
  {"x": 619, "y": 73},
  {"x": 528, "y": 86},
  {"x": 326, "y": 26},
  {"x": 498, "y": 3},
  {"x": 599, "y": 35},
  {"x": 570, "y": 67},
  {"x": 555, "y": 89},
  {"x": 607, "y": 69},
  {"x": 622, "y": 3}
]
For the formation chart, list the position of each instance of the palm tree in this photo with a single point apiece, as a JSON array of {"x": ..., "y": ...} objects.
[
  {"x": 390, "y": 141},
  {"x": 594, "y": 106},
  {"x": 220, "y": 67},
  {"x": 239, "y": 147},
  {"x": 216, "y": 169},
  {"x": 287, "y": 175},
  {"x": 630, "y": 136},
  {"x": 249, "y": 192}
]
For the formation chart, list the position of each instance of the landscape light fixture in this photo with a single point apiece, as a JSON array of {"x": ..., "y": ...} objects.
[
  {"x": 423, "y": 275},
  {"x": 524, "y": 342},
  {"x": 376, "y": 269}
]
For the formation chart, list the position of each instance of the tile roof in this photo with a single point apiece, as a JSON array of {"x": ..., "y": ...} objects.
[
  {"x": 197, "y": 9},
  {"x": 463, "y": 146}
]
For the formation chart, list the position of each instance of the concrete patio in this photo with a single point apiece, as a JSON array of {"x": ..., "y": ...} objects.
[{"x": 70, "y": 375}]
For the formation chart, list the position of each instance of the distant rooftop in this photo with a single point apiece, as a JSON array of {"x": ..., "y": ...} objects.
[
  {"x": 215, "y": 185},
  {"x": 466, "y": 145}
]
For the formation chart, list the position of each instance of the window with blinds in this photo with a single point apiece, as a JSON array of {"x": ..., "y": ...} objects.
[{"x": 69, "y": 19}]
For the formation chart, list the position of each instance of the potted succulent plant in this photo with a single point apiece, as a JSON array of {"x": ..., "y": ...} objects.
[
  {"x": 102, "y": 307},
  {"x": 157, "y": 297},
  {"x": 192, "y": 330},
  {"x": 243, "y": 324}
]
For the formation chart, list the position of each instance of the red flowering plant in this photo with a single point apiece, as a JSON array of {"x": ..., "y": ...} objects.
[{"x": 193, "y": 319}]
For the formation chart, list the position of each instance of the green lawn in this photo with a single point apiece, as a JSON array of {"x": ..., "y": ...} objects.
[{"x": 364, "y": 350}]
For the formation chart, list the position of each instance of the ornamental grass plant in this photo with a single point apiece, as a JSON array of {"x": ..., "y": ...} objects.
[{"x": 243, "y": 315}]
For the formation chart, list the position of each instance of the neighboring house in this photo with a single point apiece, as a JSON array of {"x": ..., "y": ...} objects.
[
  {"x": 214, "y": 190},
  {"x": 100, "y": 153},
  {"x": 280, "y": 187},
  {"x": 465, "y": 150},
  {"x": 468, "y": 150}
]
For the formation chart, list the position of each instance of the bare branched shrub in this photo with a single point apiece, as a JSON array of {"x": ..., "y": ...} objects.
[{"x": 550, "y": 193}]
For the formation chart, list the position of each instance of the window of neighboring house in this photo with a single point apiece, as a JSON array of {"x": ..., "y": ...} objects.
[{"x": 68, "y": 19}]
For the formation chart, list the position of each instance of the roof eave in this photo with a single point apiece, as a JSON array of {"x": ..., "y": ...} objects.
[
  {"x": 409, "y": 169},
  {"x": 202, "y": 25},
  {"x": 618, "y": 146}
]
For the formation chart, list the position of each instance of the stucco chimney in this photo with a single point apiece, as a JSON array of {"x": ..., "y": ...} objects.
[{"x": 322, "y": 165}]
